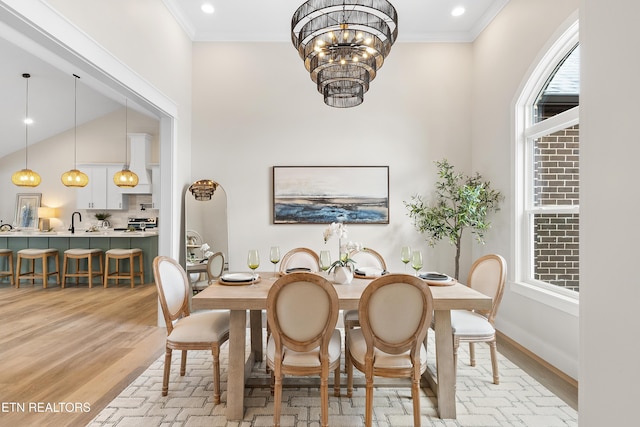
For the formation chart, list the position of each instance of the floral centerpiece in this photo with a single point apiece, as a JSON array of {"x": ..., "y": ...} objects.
[
  {"x": 343, "y": 267},
  {"x": 206, "y": 253}
]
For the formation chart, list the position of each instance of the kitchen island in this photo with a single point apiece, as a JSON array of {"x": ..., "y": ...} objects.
[{"x": 105, "y": 240}]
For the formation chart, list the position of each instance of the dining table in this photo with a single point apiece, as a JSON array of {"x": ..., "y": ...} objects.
[{"x": 239, "y": 299}]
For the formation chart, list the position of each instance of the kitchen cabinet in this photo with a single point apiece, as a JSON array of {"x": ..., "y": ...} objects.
[{"x": 100, "y": 192}]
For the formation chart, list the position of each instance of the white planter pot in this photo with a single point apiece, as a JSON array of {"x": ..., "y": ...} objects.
[{"x": 342, "y": 275}]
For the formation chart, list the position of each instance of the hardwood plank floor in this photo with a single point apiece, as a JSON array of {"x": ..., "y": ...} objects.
[
  {"x": 84, "y": 346},
  {"x": 73, "y": 349}
]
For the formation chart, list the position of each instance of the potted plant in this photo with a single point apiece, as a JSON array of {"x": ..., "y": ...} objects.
[
  {"x": 342, "y": 268},
  {"x": 103, "y": 219},
  {"x": 460, "y": 202}
]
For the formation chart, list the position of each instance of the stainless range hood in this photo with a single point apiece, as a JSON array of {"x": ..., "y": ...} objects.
[{"x": 140, "y": 151}]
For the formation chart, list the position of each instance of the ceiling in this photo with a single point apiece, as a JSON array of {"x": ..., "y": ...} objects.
[
  {"x": 51, "y": 86},
  {"x": 260, "y": 20}
]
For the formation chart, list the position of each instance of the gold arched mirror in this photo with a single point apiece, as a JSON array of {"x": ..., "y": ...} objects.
[{"x": 205, "y": 206}]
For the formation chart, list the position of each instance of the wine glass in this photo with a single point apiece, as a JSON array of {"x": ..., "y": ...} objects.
[
  {"x": 274, "y": 255},
  {"x": 325, "y": 260},
  {"x": 405, "y": 256},
  {"x": 416, "y": 261},
  {"x": 253, "y": 261}
]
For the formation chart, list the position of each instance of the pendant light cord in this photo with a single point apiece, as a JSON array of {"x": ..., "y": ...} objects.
[
  {"x": 26, "y": 122},
  {"x": 75, "y": 122},
  {"x": 126, "y": 127}
]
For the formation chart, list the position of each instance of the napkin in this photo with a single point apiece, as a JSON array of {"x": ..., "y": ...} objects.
[{"x": 370, "y": 271}]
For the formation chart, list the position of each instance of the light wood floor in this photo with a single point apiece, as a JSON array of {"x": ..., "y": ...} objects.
[{"x": 78, "y": 345}]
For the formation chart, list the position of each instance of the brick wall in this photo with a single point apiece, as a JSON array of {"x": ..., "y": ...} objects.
[{"x": 556, "y": 183}]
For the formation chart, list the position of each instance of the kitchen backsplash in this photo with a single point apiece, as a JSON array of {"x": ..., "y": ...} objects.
[{"x": 119, "y": 218}]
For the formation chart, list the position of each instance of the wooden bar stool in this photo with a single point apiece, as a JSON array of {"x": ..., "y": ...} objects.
[
  {"x": 31, "y": 274},
  {"x": 124, "y": 254},
  {"x": 8, "y": 255},
  {"x": 89, "y": 273}
]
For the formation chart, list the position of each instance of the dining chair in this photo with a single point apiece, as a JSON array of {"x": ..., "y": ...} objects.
[
  {"x": 395, "y": 312},
  {"x": 215, "y": 266},
  {"x": 487, "y": 275},
  {"x": 205, "y": 330},
  {"x": 300, "y": 258},
  {"x": 364, "y": 258},
  {"x": 302, "y": 311}
]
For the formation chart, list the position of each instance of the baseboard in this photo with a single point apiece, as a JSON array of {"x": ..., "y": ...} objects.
[{"x": 568, "y": 379}]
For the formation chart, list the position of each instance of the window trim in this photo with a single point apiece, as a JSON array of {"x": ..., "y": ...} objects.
[{"x": 525, "y": 132}]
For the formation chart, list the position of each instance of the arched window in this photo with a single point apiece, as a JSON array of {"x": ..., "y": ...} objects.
[{"x": 547, "y": 171}]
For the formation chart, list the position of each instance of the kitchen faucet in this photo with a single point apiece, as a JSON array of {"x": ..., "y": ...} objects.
[{"x": 73, "y": 228}]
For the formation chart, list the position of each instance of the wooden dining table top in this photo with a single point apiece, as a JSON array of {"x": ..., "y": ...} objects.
[{"x": 254, "y": 297}]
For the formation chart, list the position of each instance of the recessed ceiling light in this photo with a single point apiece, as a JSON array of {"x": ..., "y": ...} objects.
[
  {"x": 207, "y": 8},
  {"x": 457, "y": 11}
]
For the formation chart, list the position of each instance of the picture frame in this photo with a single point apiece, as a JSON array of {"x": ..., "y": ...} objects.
[
  {"x": 326, "y": 194},
  {"x": 26, "y": 214}
]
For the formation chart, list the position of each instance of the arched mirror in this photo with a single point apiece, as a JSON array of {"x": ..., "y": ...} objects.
[{"x": 205, "y": 205}]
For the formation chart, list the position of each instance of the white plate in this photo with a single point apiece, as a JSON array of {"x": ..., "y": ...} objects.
[
  {"x": 238, "y": 277},
  {"x": 369, "y": 271}
]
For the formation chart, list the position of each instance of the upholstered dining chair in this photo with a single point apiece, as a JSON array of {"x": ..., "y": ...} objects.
[
  {"x": 366, "y": 260},
  {"x": 206, "y": 330},
  {"x": 487, "y": 275},
  {"x": 302, "y": 258},
  {"x": 215, "y": 266},
  {"x": 395, "y": 312},
  {"x": 302, "y": 311}
]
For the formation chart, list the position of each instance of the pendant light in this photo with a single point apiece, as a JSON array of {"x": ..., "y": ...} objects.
[
  {"x": 26, "y": 177},
  {"x": 125, "y": 178},
  {"x": 74, "y": 177}
]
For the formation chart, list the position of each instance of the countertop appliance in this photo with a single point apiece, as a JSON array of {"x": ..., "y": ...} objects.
[{"x": 150, "y": 223}]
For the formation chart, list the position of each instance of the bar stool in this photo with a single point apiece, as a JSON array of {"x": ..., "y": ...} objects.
[
  {"x": 78, "y": 255},
  {"x": 124, "y": 254},
  {"x": 33, "y": 255},
  {"x": 8, "y": 254}
]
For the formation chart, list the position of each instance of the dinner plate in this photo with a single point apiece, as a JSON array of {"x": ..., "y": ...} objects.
[
  {"x": 369, "y": 272},
  {"x": 298, "y": 270},
  {"x": 437, "y": 279},
  {"x": 238, "y": 279}
]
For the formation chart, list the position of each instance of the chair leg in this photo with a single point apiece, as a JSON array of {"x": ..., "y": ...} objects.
[
  {"x": 167, "y": 370},
  {"x": 277, "y": 396},
  {"x": 183, "y": 363},
  {"x": 324, "y": 398},
  {"x": 368, "y": 418},
  {"x": 215, "y": 352},
  {"x": 348, "y": 366},
  {"x": 456, "y": 344},
  {"x": 415, "y": 396},
  {"x": 472, "y": 354},
  {"x": 494, "y": 361},
  {"x": 336, "y": 382}
]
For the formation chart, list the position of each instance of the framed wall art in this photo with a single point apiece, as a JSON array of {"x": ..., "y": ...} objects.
[
  {"x": 27, "y": 205},
  {"x": 326, "y": 194}
]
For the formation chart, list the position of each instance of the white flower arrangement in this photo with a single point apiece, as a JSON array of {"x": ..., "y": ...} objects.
[
  {"x": 205, "y": 250},
  {"x": 339, "y": 229}
]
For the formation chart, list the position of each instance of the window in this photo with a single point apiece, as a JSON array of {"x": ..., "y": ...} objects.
[{"x": 547, "y": 171}]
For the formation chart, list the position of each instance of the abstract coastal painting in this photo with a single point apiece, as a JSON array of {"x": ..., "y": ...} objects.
[
  {"x": 326, "y": 194},
  {"x": 26, "y": 214}
]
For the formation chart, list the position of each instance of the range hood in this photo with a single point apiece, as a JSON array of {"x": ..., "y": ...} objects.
[{"x": 139, "y": 154}]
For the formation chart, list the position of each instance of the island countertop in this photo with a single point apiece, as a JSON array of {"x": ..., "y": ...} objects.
[{"x": 108, "y": 233}]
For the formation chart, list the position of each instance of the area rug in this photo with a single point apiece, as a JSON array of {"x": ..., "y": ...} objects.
[{"x": 518, "y": 400}]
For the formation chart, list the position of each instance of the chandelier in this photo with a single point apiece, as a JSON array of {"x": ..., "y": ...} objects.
[
  {"x": 343, "y": 44},
  {"x": 26, "y": 177},
  {"x": 203, "y": 189},
  {"x": 75, "y": 177}
]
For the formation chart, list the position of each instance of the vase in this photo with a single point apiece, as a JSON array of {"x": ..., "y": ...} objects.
[{"x": 342, "y": 275}]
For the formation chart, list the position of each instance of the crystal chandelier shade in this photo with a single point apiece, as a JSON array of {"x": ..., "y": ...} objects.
[
  {"x": 203, "y": 189},
  {"x": 343, "y": 44}
]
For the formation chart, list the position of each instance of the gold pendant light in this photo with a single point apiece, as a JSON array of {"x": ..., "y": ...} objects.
[
  {"x": 125, "y": 178},
  {"x": 26, "y": 177},
  {"x": 74, "y": 177}
]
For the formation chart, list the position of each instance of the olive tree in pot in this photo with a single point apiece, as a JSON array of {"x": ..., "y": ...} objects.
[{"x": 460, "y": 202}]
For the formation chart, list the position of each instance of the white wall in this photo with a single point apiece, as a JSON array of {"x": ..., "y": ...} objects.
[
  {"x": 255, "y": 106},
  {"x": 504, "y": 55},
  {"x": 609, "y": 207}
]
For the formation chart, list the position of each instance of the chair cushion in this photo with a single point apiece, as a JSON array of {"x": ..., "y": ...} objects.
[
  {"x": 358, "y": 350},
  {"x": 308, "y": 358},
  {"x": 469, "y": 324},
  {"x": 205, "y": 326}
]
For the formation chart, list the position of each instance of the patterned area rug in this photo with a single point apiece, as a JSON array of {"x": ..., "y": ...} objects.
[{"x": 518, "y": 400}]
